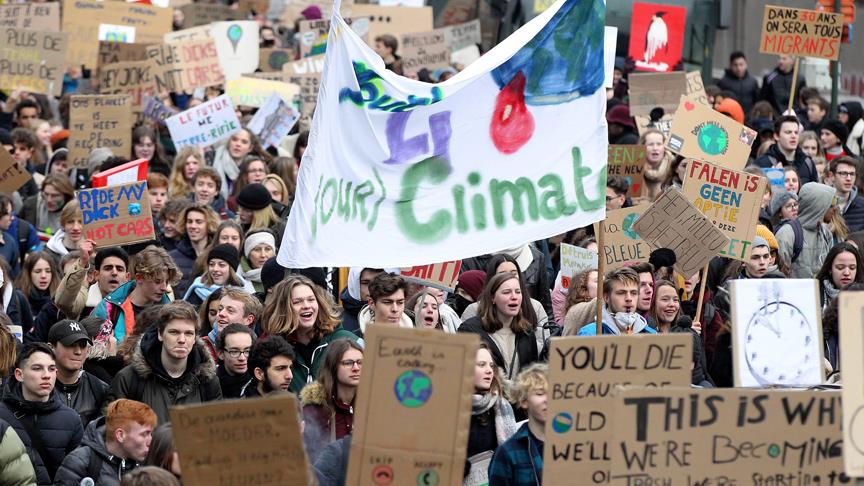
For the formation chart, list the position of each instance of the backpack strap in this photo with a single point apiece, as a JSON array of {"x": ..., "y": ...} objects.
[
  {"x": 23, "y": 238},
  {"x": 798, "y": 245}
]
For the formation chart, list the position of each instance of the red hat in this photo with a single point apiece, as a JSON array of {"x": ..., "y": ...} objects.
[
  {"x": 472, "y": 282},
  {"x": 732, "y": 109},
  {"x": 59, "y": 135},
  {"x": 620, "y": 114}
]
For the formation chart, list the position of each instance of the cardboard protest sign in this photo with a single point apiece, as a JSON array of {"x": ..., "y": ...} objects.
[
  {"x": 462, "y": 35},
  {"x": 255, "y": 7},
  {"x": 776, "y": 176},
  {"x": 653, "y": 90},
  {"x": 675, "y": 223},
  {"x": 657, "y": 36},
  {"x": 33, "y": 60},
  {"x": 99, "y": 121},
  {"x": 273, "y": 58},
  {"x": 664, "y": 124},
  {"x": 851, "y": 323},
  {"x": 154, "y": 109},
  {"x": 184, "y": 66},
  {"x": 116, "y": 33},
  {"x": 310, "y": 65},
  {"x": 12, "y": 177},
  {"x": 777, "y": 332},
  {"x": 269, "y": 76},
  {"x": 621, "y": 244},
  {"x": 196, "y": 14},
  {"x": 129, "y": 172},
  {"x": 696, "y": 88},
  {"x": 575, "y": 260},
  {"x": 133, "y": 78},
  {"x": 190, "y": 34},
  {"x": 205, "y": 124},
  {"x": 439, "y": 275},
  {"x": 701, "y": 133},
  {"x": 309, "y": 84},
  {"x": 730, "y": 199},
  {"x": 273, "y": 120},
  {"x": 237, "y": 45},
  {"x": 727, "y": 437},
  {"x": 81, "y": 19},
  {"x": 117, "y": 215},
  {"x": 584, "y": 375},
  {"x": 413, "y": 407},
  {"x": 797, "y": 32},
  {"x": 113, "y": 52},
  {"x": 454, "y": 12},
  {"x": 241, "y": 442},
  {"x": 424, "y": 50},
  {"x": 34, "y": 16},
  {"x": 395, "y": 21},
  {"x": 628, "y": 161},
  {"x": 255, "y": 92},
  {"x": 313, "y": 34}
]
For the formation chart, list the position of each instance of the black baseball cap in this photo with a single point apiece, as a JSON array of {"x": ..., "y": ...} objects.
[{"x": 68, "y": 332}]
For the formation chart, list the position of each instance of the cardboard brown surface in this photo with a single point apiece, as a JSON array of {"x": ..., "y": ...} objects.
[
  {"x": 134, "y": 78},
  {"x": 726, "y": 436},
  {"x": 798, "y": 32},
  {"x": 730, "y": 199},
  {"x": 272, "y": 59},
  {"x": 113, "y": 52},
  {"x": 99, "y": 121},
  {"x": 313, "y": 37},
  {"x": 192, "y": 33},
  {"x": 701, "y": 133},
  {"x": 664, "y": 124},
  {"x": 254, "y": 92},
  {"x": 11, "y": 176},
  {"x": 628, "y": 161},
  {"x": 117, "y": 215},
  {"x": 438, "y": 275},
  {"x": 81, "y": 19},
  {"x": 652, "y": 90},
  {"x": 674, "y": 222},
  {"x": 33, "y": 60},
  {"x": 231, "y": 442},
  {"x": 203, "y": 13},
  {"x": 424, "y": 50},
  {"x": 462, "y": 35},
  {"x": 696, "y": 88},
  {"x": 421, "y": 430},
  {"x": 851, "y": 323},
  {"x": 34, "y": 16},
  {"x": 186, "y": 65},
  {"x": 395, "y": 21},
  {"x": 584, "y": 373},
  {"x": 621, "y": 244}
]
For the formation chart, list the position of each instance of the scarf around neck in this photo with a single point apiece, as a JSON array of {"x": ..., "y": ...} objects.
[{"x": 505, "y": 421}]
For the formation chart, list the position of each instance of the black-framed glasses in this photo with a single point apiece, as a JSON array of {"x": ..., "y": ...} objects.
[
  {"x": 235, "y": 353},
  {"x": 349, "y": 363}
]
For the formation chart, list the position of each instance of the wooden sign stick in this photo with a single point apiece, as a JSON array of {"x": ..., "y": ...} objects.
[
  {"x": 704, "y": 281},
  {"x": 600, "y": 267},
  {"x": 794, "y": 86}
]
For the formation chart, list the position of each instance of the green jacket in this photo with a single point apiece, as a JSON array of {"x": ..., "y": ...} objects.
[
  {"x": 306, "y": 373},
  {"x": 15, "y": 466}
]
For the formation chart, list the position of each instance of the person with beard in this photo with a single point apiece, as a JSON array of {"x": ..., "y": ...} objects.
[
  {"x": 77, "y": 388},
  {"x": 271, "y": 359},
  {"x": 113, "y": 446},
  {"x": 233, "y": 345},
  {"x": 170, "y": 367},
  {"x": 620, "y": 312},
  {"x": 155, "y": 271},
  {"x": 328, "y": 404},
  {"x": 48, "y": 429},
  {"x": 78, "y": 294}
]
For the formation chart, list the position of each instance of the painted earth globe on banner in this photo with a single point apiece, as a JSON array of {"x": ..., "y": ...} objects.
[
  {"x": 413, "y": 388},
  {"x": 713, "y": 139}
]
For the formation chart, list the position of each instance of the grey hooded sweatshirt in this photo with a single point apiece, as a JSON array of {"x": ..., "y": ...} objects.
[{"x": 814, "y": 199}]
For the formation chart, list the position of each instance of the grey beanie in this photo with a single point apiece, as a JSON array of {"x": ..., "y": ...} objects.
[
  {"x": 759, "y": 241},
  {"x": 779, "y": 198},
  {"x": 97, "y": 157}
]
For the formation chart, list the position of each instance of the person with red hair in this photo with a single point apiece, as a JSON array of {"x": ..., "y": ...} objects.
[
  {"x": 113, "y": 445},
  {"x": 732, "y": 109}
]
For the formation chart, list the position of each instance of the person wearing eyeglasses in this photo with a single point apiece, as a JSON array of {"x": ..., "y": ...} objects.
[
  {"x": 233, "y": 346},
  {"x": 843, "y": 172},
  {"x": 328, "y": 404}
]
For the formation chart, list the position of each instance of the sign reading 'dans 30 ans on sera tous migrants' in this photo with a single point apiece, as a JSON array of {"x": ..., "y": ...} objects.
[
  {"x": 628, "y": 161},
  {"x": 413, "y": 407},
  {"x": 675, "y": 223},
  {"x": 418, "y": 156},
  {"x": 718, "y": 436},
  {"x": 205, "y": 124},
  {"x": 584, "y": 375},
  {"x": 234, "y": 442},
  {"x": 701, "y": 133},
  {"x": 729, "y": 198},
  {"x": 32, "y": 60},
  {"x": 117, "y": 215},
  {"x": 99, "y": 121},
  {"x": 621, "y": 244},
  {"x": 798, "y": 32}
]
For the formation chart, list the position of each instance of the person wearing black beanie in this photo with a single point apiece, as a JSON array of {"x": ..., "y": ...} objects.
[
  {"x": 255, "y": 210},
  {"x": 833, "y": 136},
  {"x": 219, "y": 272}
]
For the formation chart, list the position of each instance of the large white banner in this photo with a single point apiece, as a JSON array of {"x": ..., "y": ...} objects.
[{"x": 510, "y": 150}]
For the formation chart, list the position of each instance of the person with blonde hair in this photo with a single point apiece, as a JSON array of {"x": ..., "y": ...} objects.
[
  {"x": 280, "y": 194},
  {"x": 196, "y": 225},
  {"x": 71, "y": 231},
  {"x": 186, "y": 165},
  {"x": 658, "y": 162},
  {"x": 255, "y": 210},
  {"x": 300, "y": 311}
]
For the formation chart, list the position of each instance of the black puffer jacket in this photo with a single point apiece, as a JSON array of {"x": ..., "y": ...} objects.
[
  {"x": 535, "y": 276},
  {"x": 526, "y": 346},
  {"x": 86, "y": 397},
  {"x": 76, "y": 465},
  {"x": 777, "y": 87},
  {"x": 803, "y": 163},
  {"x": 746, "y": 89},
  {"x": 184, "y": 256},
  {"x": 146, "y": 380},
  {"x": 58, "y": 426}
]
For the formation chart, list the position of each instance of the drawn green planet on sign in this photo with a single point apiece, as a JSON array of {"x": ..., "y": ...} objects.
[
  {"x": 627, "y": 226},
  {"x": 712, "y": 139},
  {"x": 235, "y": 32},
  {"x": 413, "y": 388}
]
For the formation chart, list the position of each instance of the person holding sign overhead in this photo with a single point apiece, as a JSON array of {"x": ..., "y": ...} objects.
[{"x": 620, "y": 314}]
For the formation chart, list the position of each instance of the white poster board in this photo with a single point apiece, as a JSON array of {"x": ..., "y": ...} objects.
[
  {"x": 777, "y": 332},
  {"x": 237, "y": 46}
]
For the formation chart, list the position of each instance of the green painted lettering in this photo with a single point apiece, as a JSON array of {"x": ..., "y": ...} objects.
[
  {"x": 522, "y": 187},
  {"x": 432, "y": 170}
]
